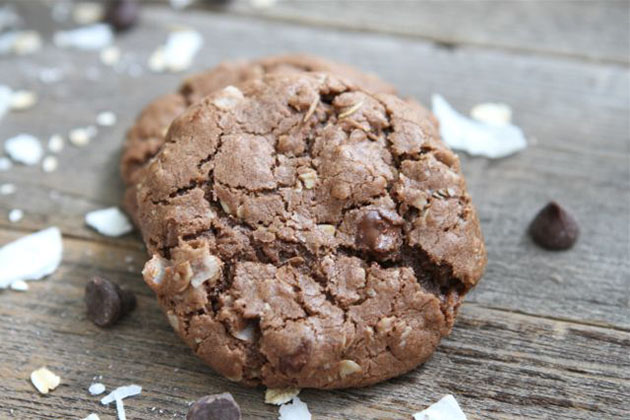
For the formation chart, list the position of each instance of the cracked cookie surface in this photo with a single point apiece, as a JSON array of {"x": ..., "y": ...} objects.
[
  {"x": 307, "y": 233},
  {"x": 146, "y": 136}
]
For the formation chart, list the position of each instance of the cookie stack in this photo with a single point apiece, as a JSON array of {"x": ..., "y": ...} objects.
[{"x": 307, "y": 228}]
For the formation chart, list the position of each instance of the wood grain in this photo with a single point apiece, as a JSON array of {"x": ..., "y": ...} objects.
[
  {"x": 498, "y": 363},
  {"x": 593, "y": 30},
  {"x": 545, "y": 335}
]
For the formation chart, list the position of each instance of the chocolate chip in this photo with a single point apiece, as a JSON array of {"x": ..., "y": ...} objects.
[
  {"x": 215, "y": 407},
  {"x": 122, "y": 14},
  {"x": 378, "y": 234},
  {"x": 553, "y": 228},
  {"x": 106, "y": 302}
]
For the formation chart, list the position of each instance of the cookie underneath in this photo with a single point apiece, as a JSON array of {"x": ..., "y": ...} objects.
[{"x": 307, "y": 233}]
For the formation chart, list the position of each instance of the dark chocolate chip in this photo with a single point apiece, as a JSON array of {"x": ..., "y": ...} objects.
[
  {"x": 378, "y": 234},
  {"x": 106, "y": 302},
  {"x": 215, "y": 407},
  {"x": 122, "y": 14},
  {"x": 554, "y": 228}
]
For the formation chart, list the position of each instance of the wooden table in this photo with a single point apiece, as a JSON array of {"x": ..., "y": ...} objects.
[{"x": 545, "y": 335}]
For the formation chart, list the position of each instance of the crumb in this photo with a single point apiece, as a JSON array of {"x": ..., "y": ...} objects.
[
  {"x": 49, "y": 164},
  {"x": 44, "y": 380}
]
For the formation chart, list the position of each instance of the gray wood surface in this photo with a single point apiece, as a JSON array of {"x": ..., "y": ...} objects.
[
  {"x": 586, "y": 29},
  {"x": 545, "y": 335}
]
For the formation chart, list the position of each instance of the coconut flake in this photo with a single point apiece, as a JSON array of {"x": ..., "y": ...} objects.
[
  {"x": 96, "y": 388},
  {"x": 92, "y": 417},
  {"x": 55, "y": 143},
  {"x": 445, "y": 409},
  {"x": 279, "y": 396},
  {"x": 5, "y": 163},
  {"x": 6, "y": 94},
  {"x": 24, "y": 148},
  {"x": 110, "y": 56},
  {"x": 6, "y": 189},
  {"x": 20, "y": 286},
  {"x": 20, "y": 42},
  {"x": 31, "y": 257},
  {"x": 82, "y": 136},
  {"x": 22, "y": 100},
  {"x": 248, "y": 334},
  {"x": 110, "y": 221},
  {"x": 15, "y": 215},
  {"x": 492, "y": 113},
  {"x": 120, "y": 409},
  {"x": 121, "y": 392},
  {"x": 49, "y": 164},
  {"x": 85, "y": 13},
  {"x": 180, "y": 4},
  {"x": 91, "y": 37},
  {"x": 178, "y": 52},
  {"x": 9, "y": 18},
  {"x": 50, "y": 75},
  {"x": 262, "y": 4},
  {"x": 474, "y": 137},
  {"x": 44, "y": 380},
  {"x": 296, "y": 410},
  {"x": 106, "y": 119}
]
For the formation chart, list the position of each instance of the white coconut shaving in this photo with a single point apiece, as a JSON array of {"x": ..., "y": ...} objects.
[
  {"x": 31, "y": 257},
  {"x": 106, "y": 118},
  {"x": 247, "y": 334},
  {"x": 24, "y": 148},
  {"x": 50, "y": 164},
  {"x": 22, "y": 100},
  {"x": 44, "y": 380},
  {"x": 279, "y": 396},
  {"x": 5, "y": 163},
  {"x": 295, "y": 410},
  {"x": 110, "y": 56},
  {"x": 6, "y": 189},
  {"x": 96, "y": 388},
  {"x": 180, "y": 4},
  {"x": 50, "y": 75},
  {"x": 178, "y": 52},
  {"x": 120, "y": 409},
  {"x": 55, "y": 143},
  {"x": 118, "y": 395},
  {"x": 82, "y": 136},
  {"x": 92, "y": 417},
  {"x": 121, "y": 392},
  {"x": 20, "y": 42},
  {"x": 15, "y": 215},
  {"x": 20, "y": 286},
  {"x": 475, "y": 137},
  {"x": 109, "y": 222},
  {"x": 492, "y": 113},
  {"x": 445, "y": 409},
  {"x": 91, "y": 37},
  {"x": 6, "y": 95},
  {"x": 262, "y": 4},
  {"x": 85, "y": 13},
  {"x": 9, "y": 18}
]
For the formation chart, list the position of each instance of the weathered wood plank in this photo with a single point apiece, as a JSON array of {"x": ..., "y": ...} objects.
[
  {"x": 498, "y": 364},
  {"x": 545, "y": 335},
  {"x": 578, "y": 112},
  {"x": 593, "y": 30}
]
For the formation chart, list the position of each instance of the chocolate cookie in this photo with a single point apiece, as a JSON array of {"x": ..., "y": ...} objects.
[
  {"x": 147, "y": 134},
  {"x": 307, "y": 233}
]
